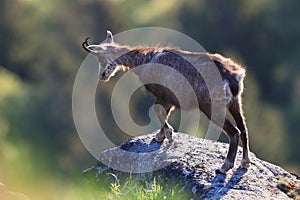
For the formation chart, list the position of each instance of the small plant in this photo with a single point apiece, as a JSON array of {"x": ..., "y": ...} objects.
[{"x": 134, "y": 190}]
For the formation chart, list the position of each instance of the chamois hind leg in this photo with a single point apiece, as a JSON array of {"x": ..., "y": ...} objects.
[
  {"x": 235, "y": 109},
  {"x": 162, "y": 113},
  {"x": 233, "y": 135}
]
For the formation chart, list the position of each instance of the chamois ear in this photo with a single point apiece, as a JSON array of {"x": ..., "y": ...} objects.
[{"x": 109, "y": 37}]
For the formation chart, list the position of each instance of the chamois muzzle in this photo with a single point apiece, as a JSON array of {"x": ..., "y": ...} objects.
[{"x": 85, "y": 44}]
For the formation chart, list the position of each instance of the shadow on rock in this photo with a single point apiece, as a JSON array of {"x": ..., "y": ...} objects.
[{"x": 140, "y": 146}]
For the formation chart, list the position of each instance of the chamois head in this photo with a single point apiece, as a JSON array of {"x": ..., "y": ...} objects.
[{"x": 106, "y": 54}]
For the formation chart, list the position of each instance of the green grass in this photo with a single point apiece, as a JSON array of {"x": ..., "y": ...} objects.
[{"x": 133, "y": 190}]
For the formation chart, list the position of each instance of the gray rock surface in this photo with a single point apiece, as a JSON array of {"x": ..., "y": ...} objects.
[{"x": 189, "y": 165}]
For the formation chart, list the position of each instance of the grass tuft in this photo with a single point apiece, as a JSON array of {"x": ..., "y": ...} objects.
[{"x": 134, "y": 190}]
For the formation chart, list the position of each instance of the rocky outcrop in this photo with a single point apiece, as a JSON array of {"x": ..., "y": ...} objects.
[{"x": 189, "y": 165}]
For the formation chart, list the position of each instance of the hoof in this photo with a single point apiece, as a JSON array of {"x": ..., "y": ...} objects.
[
  {"x": 159, "y": 137},
  {"x": 225, "y": 167},
  {"x": 245, "y": 163},
  {"x": 218, "y": 171},
  {"x": 169, "y": 131}
]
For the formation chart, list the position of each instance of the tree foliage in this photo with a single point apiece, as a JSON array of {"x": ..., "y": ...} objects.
[{"x": 41, "y": 52}]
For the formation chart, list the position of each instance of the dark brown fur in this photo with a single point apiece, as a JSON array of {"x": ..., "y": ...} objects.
[{"x": 189, "y": 65}]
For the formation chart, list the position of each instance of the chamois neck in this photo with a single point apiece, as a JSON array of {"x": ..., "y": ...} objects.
[{"x": 135, "y": 57}]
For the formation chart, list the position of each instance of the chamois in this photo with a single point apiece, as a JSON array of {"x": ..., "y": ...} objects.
[{"x": 113, "y": 57}]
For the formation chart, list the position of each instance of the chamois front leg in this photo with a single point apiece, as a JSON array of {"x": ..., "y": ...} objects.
[{"x": 162, "y": 113}]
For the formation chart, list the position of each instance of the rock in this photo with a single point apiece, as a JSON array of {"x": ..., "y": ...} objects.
[{"x": 189, "y": 165}]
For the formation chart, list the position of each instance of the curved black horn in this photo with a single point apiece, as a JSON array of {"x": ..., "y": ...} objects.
[{"x": 86, "y": 43}]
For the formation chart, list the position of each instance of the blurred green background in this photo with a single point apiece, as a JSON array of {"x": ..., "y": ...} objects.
[{"x": 40, "y": 152}]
